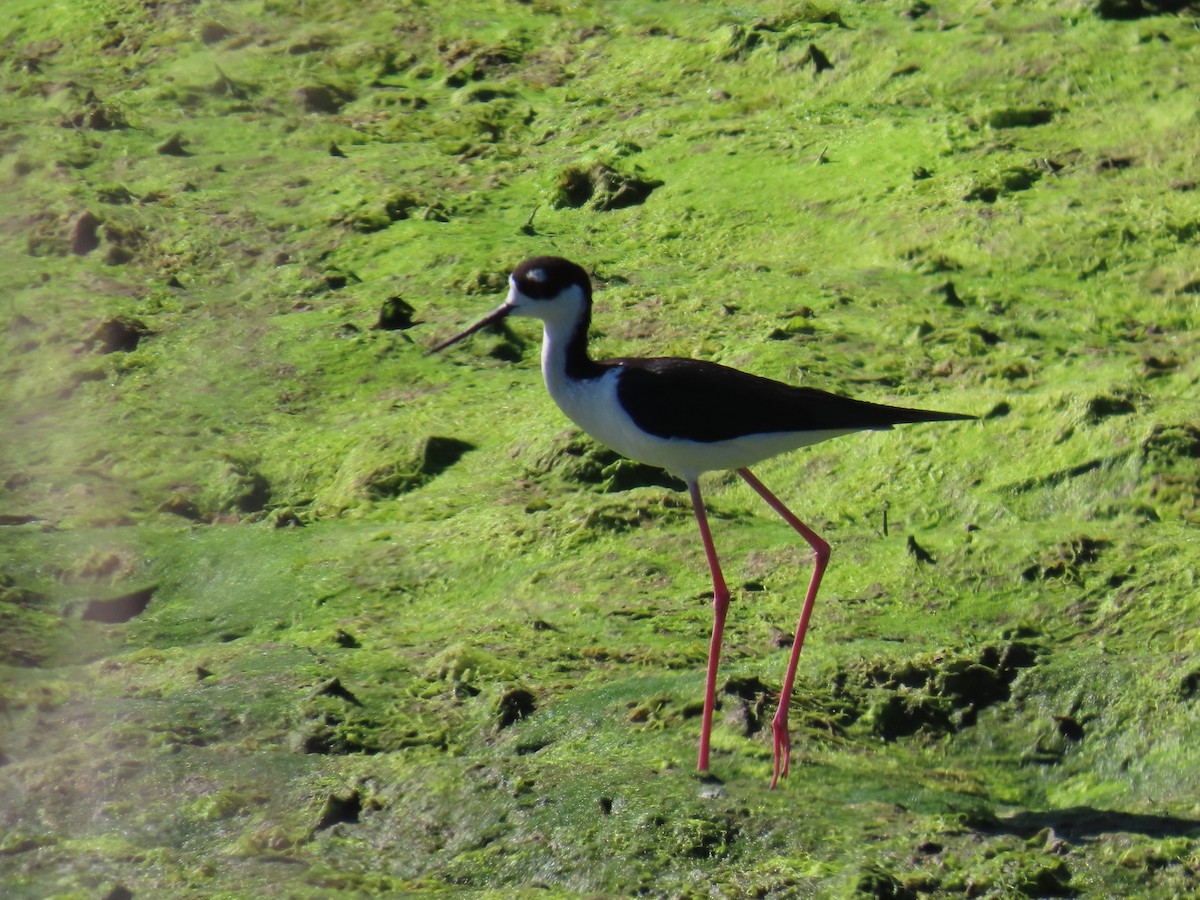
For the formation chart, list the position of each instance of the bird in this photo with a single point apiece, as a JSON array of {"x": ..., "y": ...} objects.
[{"x": 688, "y": 417}]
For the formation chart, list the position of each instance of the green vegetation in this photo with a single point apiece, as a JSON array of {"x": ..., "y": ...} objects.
[{"x": 289, "y": 607}]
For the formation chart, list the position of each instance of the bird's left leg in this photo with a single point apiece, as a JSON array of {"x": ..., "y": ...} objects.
[
  {"x": 720, "y": 605},
  {"x": 779, "y": 725}
]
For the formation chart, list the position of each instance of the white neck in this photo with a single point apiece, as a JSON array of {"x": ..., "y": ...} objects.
[{"x": 557, "y": 332}]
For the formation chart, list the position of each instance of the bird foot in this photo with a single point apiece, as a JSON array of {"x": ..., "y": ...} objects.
[{"x": 783, "y": 748}]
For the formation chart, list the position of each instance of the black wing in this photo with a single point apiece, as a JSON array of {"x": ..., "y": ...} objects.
[{"x": 705, "y": 401}]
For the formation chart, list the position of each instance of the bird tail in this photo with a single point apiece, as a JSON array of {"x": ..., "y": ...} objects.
[{"x": 901, "y": 416}]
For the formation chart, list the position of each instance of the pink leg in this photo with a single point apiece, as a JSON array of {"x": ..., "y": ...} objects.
[
  {"x": 779, "y": 725},
  {"x": 720, "y": 605}
]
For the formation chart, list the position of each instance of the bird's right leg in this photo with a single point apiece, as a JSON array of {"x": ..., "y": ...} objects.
[
  {"x": 720, "y": 605},
  {"x": 820, "y": 548}
]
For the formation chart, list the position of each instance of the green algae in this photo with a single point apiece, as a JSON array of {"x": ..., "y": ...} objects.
[{"x": 405, "y": 634}]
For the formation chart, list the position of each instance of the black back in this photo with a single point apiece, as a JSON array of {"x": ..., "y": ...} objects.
[{"x": 705, "y": 401}]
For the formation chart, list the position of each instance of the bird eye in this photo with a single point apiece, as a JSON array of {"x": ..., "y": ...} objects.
[{"x": 537, "y": 276}]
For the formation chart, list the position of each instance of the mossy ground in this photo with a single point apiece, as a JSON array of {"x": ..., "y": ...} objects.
[{"x": 383, "y": 627}]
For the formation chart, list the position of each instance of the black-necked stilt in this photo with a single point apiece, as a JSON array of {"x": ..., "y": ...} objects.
[{"x": 687, "y": 416}]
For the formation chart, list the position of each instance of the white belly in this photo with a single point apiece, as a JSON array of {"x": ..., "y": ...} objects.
[{"x": 592, "y": 405}]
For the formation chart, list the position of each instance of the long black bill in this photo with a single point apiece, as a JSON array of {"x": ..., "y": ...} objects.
[{"x": 495, "y": 316}]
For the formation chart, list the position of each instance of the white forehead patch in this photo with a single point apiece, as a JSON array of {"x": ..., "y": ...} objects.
[{"x": 537, "y": 276}]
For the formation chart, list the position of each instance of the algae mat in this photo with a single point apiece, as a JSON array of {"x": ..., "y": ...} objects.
[{"x": 291, "y": 609}]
